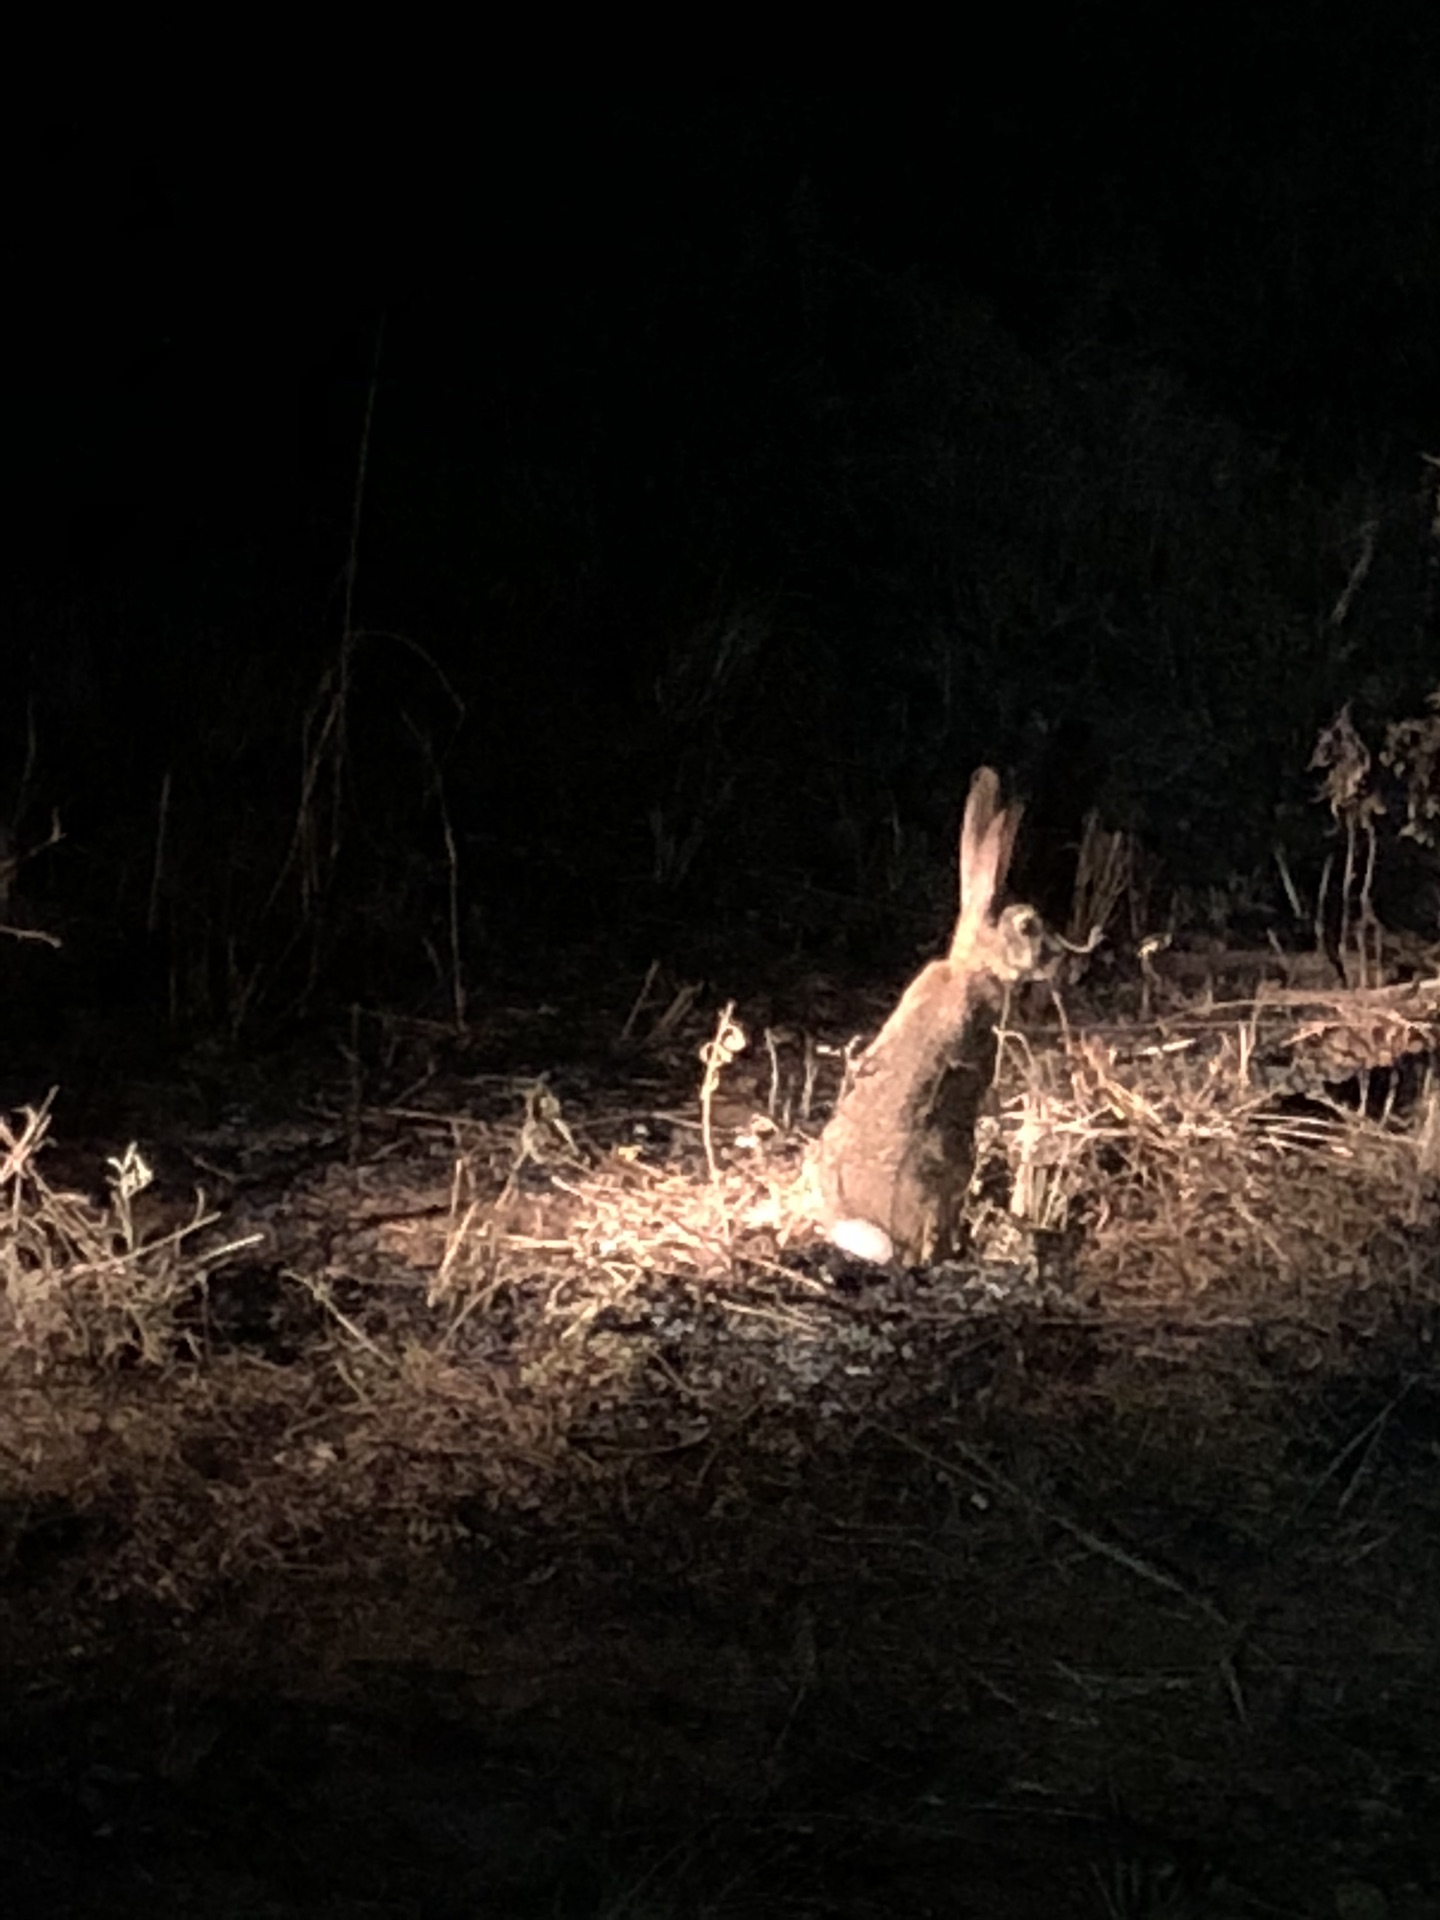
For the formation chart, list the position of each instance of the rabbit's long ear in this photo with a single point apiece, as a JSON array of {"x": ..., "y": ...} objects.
[
  {"x": 987, "y": 838},
  {"x": 981, "y": 806},
  {"x": 978, "y": 850},
  {"x": 1006, "y": 827}
]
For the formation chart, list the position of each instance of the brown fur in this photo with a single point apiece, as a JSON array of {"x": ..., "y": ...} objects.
[{"x": 892, "y": 1167}]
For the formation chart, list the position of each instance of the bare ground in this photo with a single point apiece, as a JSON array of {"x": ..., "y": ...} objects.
[{"x": 486, "y": 1498}]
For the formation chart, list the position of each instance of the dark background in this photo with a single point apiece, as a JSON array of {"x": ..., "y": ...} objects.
[{"x": 742, "y": 468}]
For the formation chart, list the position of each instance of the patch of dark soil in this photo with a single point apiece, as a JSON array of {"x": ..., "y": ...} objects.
[{"x": 873, "y": 1680}]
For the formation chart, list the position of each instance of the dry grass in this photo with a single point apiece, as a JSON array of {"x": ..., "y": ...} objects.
[
  {"x": 536, "y": 1296},
  {"x": 1109, "y": 1496},
  {"x": 83, "y": 1280}
]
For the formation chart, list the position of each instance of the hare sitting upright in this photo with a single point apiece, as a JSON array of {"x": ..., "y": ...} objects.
[{"x": 892, "y": 1167}]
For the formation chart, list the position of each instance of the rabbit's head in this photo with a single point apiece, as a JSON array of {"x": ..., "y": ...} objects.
[
  {"x": 1010, "y": 945},
  {"x": 1014, "y": 946}
]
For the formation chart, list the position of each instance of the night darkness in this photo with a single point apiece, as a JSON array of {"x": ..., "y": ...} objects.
[
  {"x": 460, "y": 567},
  {"x": 740, "y": 473}
]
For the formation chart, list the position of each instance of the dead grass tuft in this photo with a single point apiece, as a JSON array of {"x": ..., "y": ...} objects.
[{"x": 82, "y": 1279}]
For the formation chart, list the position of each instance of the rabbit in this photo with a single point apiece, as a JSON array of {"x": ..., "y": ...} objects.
[{"x": 891, "y": 1169}]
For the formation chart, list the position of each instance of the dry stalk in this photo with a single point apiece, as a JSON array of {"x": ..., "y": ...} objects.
[
  {"x": 458, "y": 1001},
  {"x": 1354, "y": 806},
  {"x": 671, "y": 1017},
  {"x": 157, "y": 864},
  {"x": 727, "y": 1041},
  {"x": 12, "y": 859},
  {"x": 994, "y": 1482},
  {"x": 463, "y": 1208},
  {"x": 130, "y": 1174},
  {"x": 320, "y": 1293},
  {"x": 1104, "y": 876}
]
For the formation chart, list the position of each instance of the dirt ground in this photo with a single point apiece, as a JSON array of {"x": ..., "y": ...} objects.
[{"x": 452, "y": 1488}]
